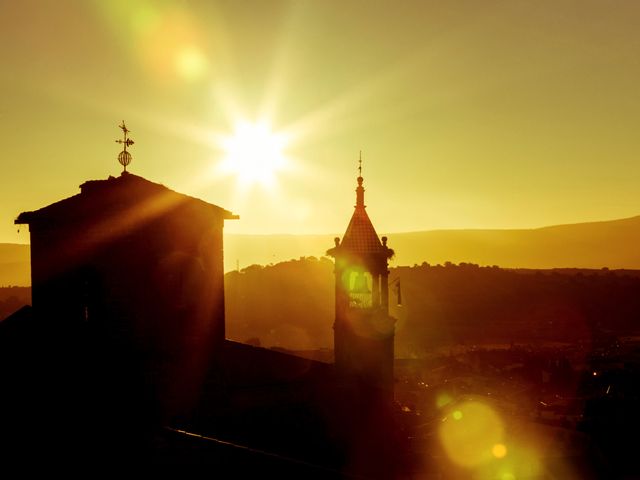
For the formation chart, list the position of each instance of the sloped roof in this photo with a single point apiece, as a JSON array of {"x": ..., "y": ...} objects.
[
  {"x": 255, "y": 366},
  {"x": 97, "y": 197},
  {"x": 361, "y": 237}
]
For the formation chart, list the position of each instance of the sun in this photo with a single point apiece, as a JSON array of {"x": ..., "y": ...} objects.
[{"x": 254, "y": 154}]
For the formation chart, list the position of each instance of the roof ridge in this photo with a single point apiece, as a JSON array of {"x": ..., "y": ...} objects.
[{"x": 92, "y": 188}]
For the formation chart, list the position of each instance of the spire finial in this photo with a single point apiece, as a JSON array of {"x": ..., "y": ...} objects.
[
  {"x": 360, "y": 188},
  {"x": 124, "y": 157}
]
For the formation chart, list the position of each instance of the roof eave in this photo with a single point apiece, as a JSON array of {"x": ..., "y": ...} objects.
[
  {"x": 227, "y": 215},
  {"x": 23, "y": 219}
]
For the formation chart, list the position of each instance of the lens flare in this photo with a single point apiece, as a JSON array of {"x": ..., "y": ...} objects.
[
  {"x": 499, "y": 450},
  {"x": 443, "y": 399},
  {"x": 469, "y": 435},
  {"x": 191, "y": 63}
]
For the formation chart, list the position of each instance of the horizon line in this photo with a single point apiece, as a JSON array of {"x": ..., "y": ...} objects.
[{"x": 451, "y": 229}]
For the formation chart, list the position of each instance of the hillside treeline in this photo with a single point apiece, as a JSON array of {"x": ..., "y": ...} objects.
[
  {"x": 468, "y": 304},
  {"x": 12, "y": 299},
  {"x": 291, "y": 305}
]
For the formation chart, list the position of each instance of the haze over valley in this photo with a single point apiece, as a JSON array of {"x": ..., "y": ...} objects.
[{"x": 611, "y": 244}]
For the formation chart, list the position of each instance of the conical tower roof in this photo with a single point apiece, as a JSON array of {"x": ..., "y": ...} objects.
[{"x": 361, "y": 237}]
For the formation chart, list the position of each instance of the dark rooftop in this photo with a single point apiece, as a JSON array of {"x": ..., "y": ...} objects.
[{"x": 113, "y": 194}]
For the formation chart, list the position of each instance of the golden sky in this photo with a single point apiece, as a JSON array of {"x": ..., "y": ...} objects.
[{"x": 470, "y": 114}]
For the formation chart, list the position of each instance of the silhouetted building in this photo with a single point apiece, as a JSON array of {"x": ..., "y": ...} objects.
[
  {"x": 142, "y": 267},
  {"x": 363, "y": 329},
  {"x": 363, "y": 344},
  {"x": 126, "y": 337}
]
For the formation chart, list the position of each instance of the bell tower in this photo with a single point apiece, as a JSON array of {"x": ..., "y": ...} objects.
[{"x": 363, "y": 329}]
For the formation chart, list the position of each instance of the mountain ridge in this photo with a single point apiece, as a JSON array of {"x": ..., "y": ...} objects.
[{"x": 597, "y": 244}]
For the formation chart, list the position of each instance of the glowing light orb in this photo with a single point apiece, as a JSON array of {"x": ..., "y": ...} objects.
[
  {"x": 470, "y": 434},
  {"x": 499, "y": 450},
  {"x": 191, "y": 63},
  {"x": 254, "y": 154},
  {"x": 443, "y": 399}
]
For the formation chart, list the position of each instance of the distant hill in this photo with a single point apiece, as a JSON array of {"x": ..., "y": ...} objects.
[
  {"x": 291, "y": 305},
  {"x": 613, "y": 244},
  {"x": 12, "y": 299},
  {"x": 245, "y": 250},
  {"x": 14, "y": 265}
]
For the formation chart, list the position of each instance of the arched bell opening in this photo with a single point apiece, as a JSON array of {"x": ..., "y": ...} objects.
[{"x": 362, "y": 288}]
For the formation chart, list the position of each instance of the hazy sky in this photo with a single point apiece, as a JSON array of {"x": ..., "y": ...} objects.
[{"x": 470, "y": 114}]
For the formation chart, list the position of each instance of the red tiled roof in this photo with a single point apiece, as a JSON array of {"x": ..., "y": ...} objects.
[{"x": 361, "y": 238}]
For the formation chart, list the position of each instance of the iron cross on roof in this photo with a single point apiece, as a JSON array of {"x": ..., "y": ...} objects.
[{"x": 124, "y": 157}]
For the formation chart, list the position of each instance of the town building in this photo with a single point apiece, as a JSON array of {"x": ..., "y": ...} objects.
[{"x": 125, "y": 340}]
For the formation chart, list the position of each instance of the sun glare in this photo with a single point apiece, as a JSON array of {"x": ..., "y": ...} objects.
[{"x": 254, "y": 154}]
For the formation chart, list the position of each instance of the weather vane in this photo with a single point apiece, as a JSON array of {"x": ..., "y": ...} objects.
[
  {"x": 124, "y": 157},
  {"x": 360, "y": 165}
]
